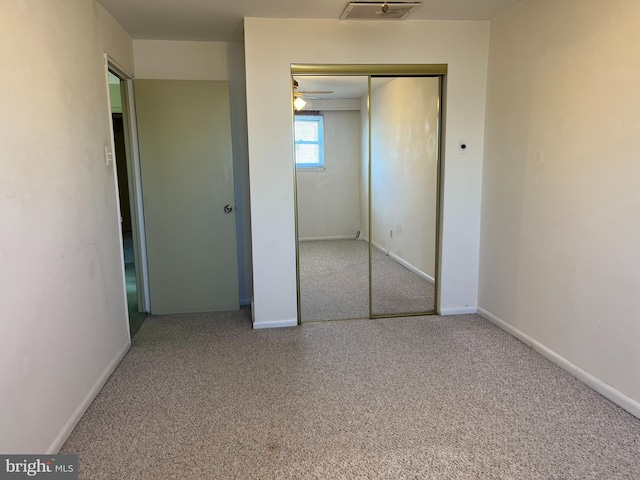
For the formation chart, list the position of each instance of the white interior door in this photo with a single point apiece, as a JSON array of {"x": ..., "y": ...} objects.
[{"x": 187, "y": 181}]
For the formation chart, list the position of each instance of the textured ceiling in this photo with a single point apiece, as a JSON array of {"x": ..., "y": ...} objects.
[{"x": 222, "y": 20}]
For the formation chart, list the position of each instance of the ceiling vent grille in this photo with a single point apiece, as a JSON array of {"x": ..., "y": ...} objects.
[{"x": 378, "y": 10}]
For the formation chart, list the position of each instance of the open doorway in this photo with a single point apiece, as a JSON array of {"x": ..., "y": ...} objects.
[{"x": 130, "y": 229}]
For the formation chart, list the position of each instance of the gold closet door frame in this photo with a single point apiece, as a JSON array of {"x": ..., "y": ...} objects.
[{"x": 377, "y": 70}]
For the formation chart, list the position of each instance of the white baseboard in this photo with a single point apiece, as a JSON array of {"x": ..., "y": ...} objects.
[
  {"x": 293, "y": 322},
  {"x": 314, "y": 239},
  {"x": 415, "y": 270},
  {"x": 629, "y": 404},
  {"x": 57, "y": 444},
  {"x": 457, "y": 311},
  {"x": 406, "y": 264},
  {"x": 379, "y": 247}
]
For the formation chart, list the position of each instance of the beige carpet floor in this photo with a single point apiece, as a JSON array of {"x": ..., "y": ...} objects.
[
  {"x": 334, "y": 282},
  {"x": 203, "y": 396}
]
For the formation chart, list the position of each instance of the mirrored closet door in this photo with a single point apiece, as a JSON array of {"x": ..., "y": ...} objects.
[
  {"x": 367, "y": 150},
  {"x": 405, "y": 127},
  {"x": 333, "y": 258}
]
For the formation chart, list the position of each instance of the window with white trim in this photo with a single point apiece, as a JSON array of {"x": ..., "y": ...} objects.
[{"x": 309, "y": 141}]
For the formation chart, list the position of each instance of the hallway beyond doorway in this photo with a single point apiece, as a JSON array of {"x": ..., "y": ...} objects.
[{"x": 135, "y": 317}]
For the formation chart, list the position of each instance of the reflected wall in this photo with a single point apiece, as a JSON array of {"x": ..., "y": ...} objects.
[{"x": 404, "y": 170}]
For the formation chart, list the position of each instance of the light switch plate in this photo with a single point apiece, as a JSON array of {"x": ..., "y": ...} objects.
[{"x": 108, "y": 156}]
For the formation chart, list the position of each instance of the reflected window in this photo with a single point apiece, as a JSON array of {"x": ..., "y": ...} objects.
[{"x": 309, "y": 141}]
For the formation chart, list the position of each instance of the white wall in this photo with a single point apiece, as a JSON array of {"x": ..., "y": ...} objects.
[
  {"x": 328, "y": 200},
  {"x": 269, "y": 53},
  {"x": 62, "y": 300},
  {"x": 560, "y": 230},
  {"x": 404, "y": 167},
  {"x": 187, "y": 60},
  {"x": 180, "y": 60}
]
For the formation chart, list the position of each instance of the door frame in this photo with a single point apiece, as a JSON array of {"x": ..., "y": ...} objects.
[
  {"x": 380, "y": 70},
  {"x": 134, "y": 181}
]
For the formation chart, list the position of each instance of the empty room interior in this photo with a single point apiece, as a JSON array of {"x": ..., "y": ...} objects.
[{"x": 321, "y": 239}]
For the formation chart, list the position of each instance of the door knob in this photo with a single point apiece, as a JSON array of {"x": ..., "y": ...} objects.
[{"x": 228, "y": 208}]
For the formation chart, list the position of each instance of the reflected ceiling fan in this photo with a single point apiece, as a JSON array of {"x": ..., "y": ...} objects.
[{"x": 298, "y": 100}]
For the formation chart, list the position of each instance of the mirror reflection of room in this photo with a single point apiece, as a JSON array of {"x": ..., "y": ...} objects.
[
  {"x": 404, "y": 192},
  {"x": 347, "y": 271},
  {"x": 333, "y": 258}
]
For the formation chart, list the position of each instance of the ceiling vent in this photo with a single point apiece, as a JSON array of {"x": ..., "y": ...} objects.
[{"x": 378, "y": 10}]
